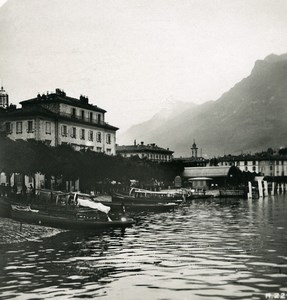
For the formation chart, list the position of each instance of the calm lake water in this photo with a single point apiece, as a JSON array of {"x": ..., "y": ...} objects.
[{"x": 224, "y": 249}]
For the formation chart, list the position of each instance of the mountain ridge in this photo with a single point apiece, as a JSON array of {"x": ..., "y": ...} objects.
[{"x": 248, "y": 117}]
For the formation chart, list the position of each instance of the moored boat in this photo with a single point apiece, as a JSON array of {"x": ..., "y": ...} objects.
[
  {"x": 71, "y": 212},
  {"x": 81, "y": 219},
  {"x": 141, "y": 196},
  {"x": 126, "y": 207}
]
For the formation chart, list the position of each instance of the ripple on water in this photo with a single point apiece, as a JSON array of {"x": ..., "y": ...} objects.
[{"x": 204, "y": 250}]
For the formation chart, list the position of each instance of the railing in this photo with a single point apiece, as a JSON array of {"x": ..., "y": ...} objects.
[{"x": 80, "y": 118}]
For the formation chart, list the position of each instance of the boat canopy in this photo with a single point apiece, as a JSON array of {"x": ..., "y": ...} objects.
[
  {"x": 86, "y": 200},
  {"x": 94, "y": 205},
  {"x": 143, "y": 191}
]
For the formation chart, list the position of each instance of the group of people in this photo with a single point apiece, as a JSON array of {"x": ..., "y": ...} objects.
[{"x": 26, "y": 194}]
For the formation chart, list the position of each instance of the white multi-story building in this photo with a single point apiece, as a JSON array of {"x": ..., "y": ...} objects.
[
  {"x": 273, "y": 166},
  {"x": 58, "y": 119}
]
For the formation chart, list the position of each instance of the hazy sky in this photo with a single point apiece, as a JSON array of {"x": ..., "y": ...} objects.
[{"x": 133, "y": 56}]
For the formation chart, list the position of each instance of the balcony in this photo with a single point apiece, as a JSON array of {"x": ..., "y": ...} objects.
[{"x": 86, "y": 120}]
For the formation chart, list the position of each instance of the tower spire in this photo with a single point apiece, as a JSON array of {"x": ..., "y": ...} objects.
[
  {"x": 4, "y": 97},
  {"x": 194, "y": 149}
]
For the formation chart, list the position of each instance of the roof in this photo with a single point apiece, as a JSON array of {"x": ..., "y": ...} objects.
[
  {"x": 61, "y": 97},
  {"x": 193, "y": 172},
  {"x": 251, "y": 157},
  {"x": 38, "y": 110},
  {"x": 142, "y": 148},
  {"x": 27, "y": 111}
]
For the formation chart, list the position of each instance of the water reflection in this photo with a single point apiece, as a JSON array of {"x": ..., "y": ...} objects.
[{"x": 231, "y": 249}]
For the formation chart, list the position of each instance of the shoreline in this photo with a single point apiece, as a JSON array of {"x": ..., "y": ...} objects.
[{"x": 13, "y": 232}]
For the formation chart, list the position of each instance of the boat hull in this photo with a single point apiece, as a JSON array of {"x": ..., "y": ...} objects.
[
  {"x": 66, "y": 222},
  {"x": 130, "y": 206},
  {"x": 131, "y": 200}
]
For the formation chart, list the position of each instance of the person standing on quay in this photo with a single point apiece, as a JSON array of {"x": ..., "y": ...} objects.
[{"x": 24, "y": 193}]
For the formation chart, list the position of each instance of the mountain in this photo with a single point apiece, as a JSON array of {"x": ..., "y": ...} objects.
[
  {"x": 251, "y": 116},
  {"x": 146, "y": 130}
]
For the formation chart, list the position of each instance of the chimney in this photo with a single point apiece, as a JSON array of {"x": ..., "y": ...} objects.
[{"x": 84, "y": 99}]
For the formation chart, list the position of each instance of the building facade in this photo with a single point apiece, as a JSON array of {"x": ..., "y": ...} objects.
[
  {"x": 58, "y": 119},
  {"x": 204, "y": 177},
  {"x": 273, "y": 166},
  {"x": 150, "y": 152}
]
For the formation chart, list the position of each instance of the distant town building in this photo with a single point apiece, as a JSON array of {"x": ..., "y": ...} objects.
[
  {"x": 58, "y": 119},
  {"x": 150, "y": 152},
  {"x": 266, "y": 165},
  {"x": 204, "y": 177}
]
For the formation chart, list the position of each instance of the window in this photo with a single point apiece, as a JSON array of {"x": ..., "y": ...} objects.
[
  {"x": 8, "y": 127},
  {"x": 73, "y": 134},
  {"x": 83, "y": 114},
  {"x": 18, "y": 127},
  {"x": 48, "y": 127},
  {"x": 47, "y": 142},
  {"x": 82, "y": 137},
  {"x": 91, "y": 117},
  {"x": 30, "y": 126},
  {"x": 108, "y": 138},
  {"x": 91, "y": 135},
  {"x": 64, "y": 130},
  {"x": 99, "y": 119},
  {"x": 73, "y": 113},
  {"x": 99, "y": 137},
  {"x": 109, "y": 151},
  {"x": 99, "y": 149}
]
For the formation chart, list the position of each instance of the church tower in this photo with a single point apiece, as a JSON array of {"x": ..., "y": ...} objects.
[
  {"x": 4, "y": 98},
  {"x": 194, "y": 150}
]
